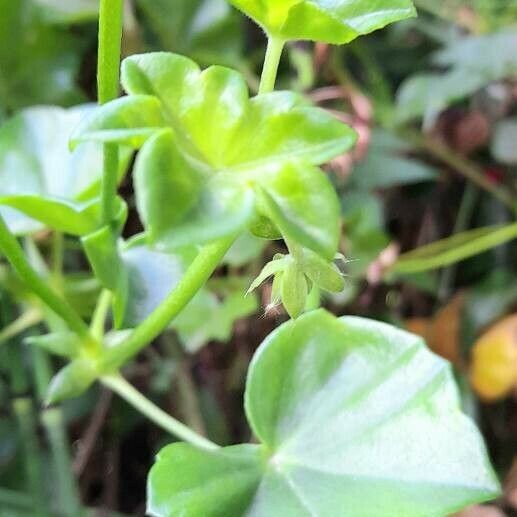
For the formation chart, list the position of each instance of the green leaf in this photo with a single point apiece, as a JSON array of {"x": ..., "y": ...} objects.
[
  {"x": 336, "y": 22},
  {"x": 294, "y": 289},
  {"x": 454, "y": 249},
  {"x": 64, "y": 344},
  {"x": 179, "y": 205},
  {"x": 302, "y": 203},
  {"x": 198, "y": 179},
  {"x": 41, "y": 178},
  {"x": 71, "y": 381},
  {"x": 209, "y": 481},
  {"x": 352, "y": 415}
]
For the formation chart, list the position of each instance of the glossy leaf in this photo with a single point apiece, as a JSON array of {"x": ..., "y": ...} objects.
[
  {"x": 454, "y": 249},
  {"x": 41, "y": 178},
  {"x": 225, "y": 159},
  {"x": 354, "y": 417},
  {"x": 336, "y": 22}
]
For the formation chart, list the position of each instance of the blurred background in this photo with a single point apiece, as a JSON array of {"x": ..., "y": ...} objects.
[{"x": 434, "y": 101}]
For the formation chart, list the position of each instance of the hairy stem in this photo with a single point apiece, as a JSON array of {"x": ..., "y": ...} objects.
[
  {"x": 195, "y": 277},
  {"x": 120, "y": 386},
  {"x": 274, "y": 50},
  {"x": 14, "y": 254},
  {"x": 110, "y": 41}
]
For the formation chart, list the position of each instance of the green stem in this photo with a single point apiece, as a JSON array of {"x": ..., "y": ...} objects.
[
  {"x": 52, "y": 420},
  {"x": 274, "y": 50},
  {"x": 14, "y": 254},
  {"x": 100, "y": 314},
  {"x": 110, "y": 41},
  {"x": 120, "y": 386},
  {"x": 195, "y": 277}
]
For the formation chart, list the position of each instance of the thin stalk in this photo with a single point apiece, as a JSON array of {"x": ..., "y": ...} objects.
[
  {"x": 100, "y": 314},
  {"x": 27, "y": 320},
  {"x": 110, "y": 41},
  {"x": 14, "y": 254},
  {"x": 195, "y": 277},
  {"x": 275, "y": 46},
  {"x": 467, "y": 205},
  {"x": 52, "y": 420},
  {"x": 120, "y": 386}
]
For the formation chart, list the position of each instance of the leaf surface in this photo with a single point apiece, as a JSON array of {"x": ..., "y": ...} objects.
[
  {"x": 354, "y": 417},
  {"x": 338, "y": 21},
  {"x": 223, "y": 159},
  {"x": 45, "y": 182}
]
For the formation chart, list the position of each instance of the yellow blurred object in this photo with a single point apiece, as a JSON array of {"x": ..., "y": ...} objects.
[{"x": 494, "y": 360}]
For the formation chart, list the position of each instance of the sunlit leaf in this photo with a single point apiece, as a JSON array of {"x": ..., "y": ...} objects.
[
  {"x": 338, "y": 21},
  {"x": 224, "y": 159}
]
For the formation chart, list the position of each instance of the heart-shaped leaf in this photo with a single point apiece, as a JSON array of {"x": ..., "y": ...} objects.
[
  {"x": 337, "y": 21},
  {"x": 41, "y": 178},
  {"x": 355, "y": 418},
  {"x": 224, "y": 159}
]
